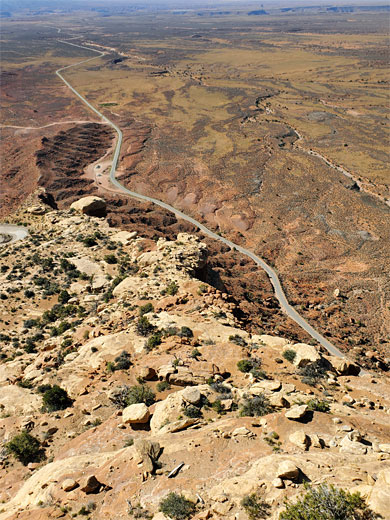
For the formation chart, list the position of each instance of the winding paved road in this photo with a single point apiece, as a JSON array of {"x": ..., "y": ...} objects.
[
  {"x": 10, "y": 233},
  {"x": 279, "y": 293}
]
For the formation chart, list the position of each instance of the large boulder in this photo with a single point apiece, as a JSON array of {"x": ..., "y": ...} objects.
[
  {"x": 136, "y": 414},
  {"x": 93, "y": 206},
  {"x": 192, "y": 395},
  {"x": 90, "y": 484},
  {"x": 300, "y": 439},
  {"x": 380, "y": 496},
  {"x": 305, "y": 354},
  {"x": 166, "y": 411},
  {"x": 148, "y": 452},
  {"x": 343, "y": 367},
  {"x": 296, "y": 412},
  {"x": 287, "y": 470}
]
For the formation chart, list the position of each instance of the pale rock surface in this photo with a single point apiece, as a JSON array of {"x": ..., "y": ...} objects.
[
  {"x": 92, "y": 205},
  {"x": 124, "y": 237},
  {"x": 68, "y": 484},
  {"x": 300, "y": 439},
  {"x": 305, "y": 354},
  {"x": 15, "y": 400},
  {"x": 295, "y": 413},
  {"x": 271, "y": 341},
  {"x": 343, "y": 366},
  {"x": 287, "y": 470},
  {"x": 136, "y": 414},
  {"x": 192, "y": 396},
  {"x": 89, "y": 267},
  {"x": 380, "y": 495}
]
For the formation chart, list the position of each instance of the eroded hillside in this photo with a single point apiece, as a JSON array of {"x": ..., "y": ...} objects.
[{"x": 137, "y": 378}]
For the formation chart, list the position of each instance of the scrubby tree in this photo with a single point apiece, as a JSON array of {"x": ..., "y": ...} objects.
[
  {"x": 25, "y": 448},
  {"x": 328, "y": 503}
]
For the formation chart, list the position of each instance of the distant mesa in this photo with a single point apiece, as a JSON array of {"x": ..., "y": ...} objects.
[
  {"x": 92, "y": 206},
  {"x": 257, "y": 12}
]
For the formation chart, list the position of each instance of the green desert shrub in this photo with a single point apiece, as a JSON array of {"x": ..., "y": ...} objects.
[
  {"x": 56, "y": 398},
  {"x": 122, "y": 362},
  {"x": 171, "y": 289},
  {"x": 144, "y": 327},
  {"x": 316, "y": 405},
  {"x": 111, "y": 259},
  {"x": 177, "y": 507},
  {"x": 144, "y": 309},
  {"x": 25, "y": 448},
  {"x": 162, "y": 386},
  {"x": 237, "y": 340},
  {"x": 64, "y": 296},
  {"x": 255, "y": 507},
  {"x": 289, "y": 355},
  {"x": 328, "y": 503},
  {"x": 192, "y": 411},
  {"x": 244, "y": 365},
  {"x": 312, "y": 373},
  {"x": 185, "y": 332},
  {"x": 255, "y": 406},
  {"x": 153, "y": 341},
  {"x": 140, "y": 394}
]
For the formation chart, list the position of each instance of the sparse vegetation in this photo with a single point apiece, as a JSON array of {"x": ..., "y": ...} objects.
[
  {"x": 255, "y": 406},
  {"x": 289, "y": 355},
  {"x": 328, "y": 503},
  {"x": 144, "y": 327},
  {"x": 162, "y": 386},
  {"x": 177, "y": 507},
  {"x": 192, "y": 411},
  {"x": 255, "y": 507},
  {"x": 126, "y": 395},
  {"x": 238, "y": 340},
  {"x": 56, "y": 398},
  {"x": 313, "y": 373},
  {"x": 144, "y": 309},
  {"x": 316, "y": 405},
  {"x": 25, "y": 448}
]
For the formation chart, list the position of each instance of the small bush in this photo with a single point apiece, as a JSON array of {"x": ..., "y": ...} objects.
[
  {"x": 185, "y": 332},
  {"x": 153, "y": 341},
  {"x": 255, "y": 507},
  {"x": 89, "y": 241},
  {"x": 218, "y": 407},
  {"x": 140, "y": 394},
  {"x": 56, "y": 398},
  {"x": 144, "y": 309},
  {"x": 237, "y": 340},
  {"x": 244, "y": 365},
  {"x": 195, "y": 353},
  {"x": 162, "y": 386},
  {"x": 315, "y": 405},
  {"x": 256, "y": 406},
  {"x": 177, "y": 507},
  {"x": 313, "y": 373},
  {"x": 122, "y": 362},
  {"x": 171, "y": 289},
  {"x": 25, "y": 448},
  {"x": 144, "y": 327},
  {"x": 202, "y": 289},
  {"x": 111, "y": 259},
  {"x": 289, "y": 355},
  {"x": 63, "y": 297},
  {"x": 192, "y": 411},
  {"x": 328, "y": 503}
]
